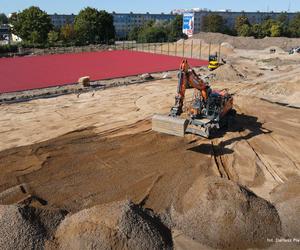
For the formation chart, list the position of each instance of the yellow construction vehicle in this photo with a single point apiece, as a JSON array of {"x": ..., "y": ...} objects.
[{"x": 213, "y": 62}]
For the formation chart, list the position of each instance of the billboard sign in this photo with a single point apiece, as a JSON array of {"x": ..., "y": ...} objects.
[{"x": 188, "y": 24}]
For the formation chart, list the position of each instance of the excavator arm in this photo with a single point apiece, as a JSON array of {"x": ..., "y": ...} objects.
[{"x": 187, "y": 78}]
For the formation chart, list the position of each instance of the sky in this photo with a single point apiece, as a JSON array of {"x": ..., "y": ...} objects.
[{"x": 152, "y": 6}]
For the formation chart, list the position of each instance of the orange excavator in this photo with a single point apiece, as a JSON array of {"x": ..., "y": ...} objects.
[{"x": 209, "y": 109}]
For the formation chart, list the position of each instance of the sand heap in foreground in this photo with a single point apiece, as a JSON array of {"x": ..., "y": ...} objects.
[
  {"x": 119, "y": 225},
  {"x": 24, "y": 227},
  {"x": 286, "y": 199},
  {"x": 221, "y": 214}
]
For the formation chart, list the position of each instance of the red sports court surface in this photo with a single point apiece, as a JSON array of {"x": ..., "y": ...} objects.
[{"x": 24, "y": 73}]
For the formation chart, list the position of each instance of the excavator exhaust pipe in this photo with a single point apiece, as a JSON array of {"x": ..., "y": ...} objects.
[{"x": 169, "y": 125}]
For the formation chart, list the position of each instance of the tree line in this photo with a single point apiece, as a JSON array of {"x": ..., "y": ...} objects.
[
  {"x": 281, "y": 26},
  {"x": 35, "y": 28},
  {"x": 158, "y": 31},
  {"x": 90, "y": 26}
]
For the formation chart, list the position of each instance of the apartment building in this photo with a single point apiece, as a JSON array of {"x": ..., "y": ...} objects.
[
  {"x": 59, "y": 20},
  {"x": 230, "y": 16},
  {"x": 123, "y": 22}
]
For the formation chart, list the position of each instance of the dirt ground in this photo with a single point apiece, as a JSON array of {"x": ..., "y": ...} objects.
[{"x": 76, "y": 151}]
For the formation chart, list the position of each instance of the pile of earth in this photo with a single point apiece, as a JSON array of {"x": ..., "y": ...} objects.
[
  {"x": 224, "y": 49},
  {"x": 118, "y": 225},
  {"x": 248, "y": 43},
  {"x": 285, "y": 93},
  {"x": 25, "y": 227},
  {"x": 227, "y": 72},
  {"x": 286, "y": 199},
  {"x": 221, "y": 214}
]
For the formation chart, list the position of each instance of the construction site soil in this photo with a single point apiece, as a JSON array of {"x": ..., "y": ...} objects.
[
  {"x": 248, "y": 43},
  {"x": 88, "y": 154}
]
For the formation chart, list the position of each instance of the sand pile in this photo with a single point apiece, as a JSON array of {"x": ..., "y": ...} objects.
[
  {"x": 219, "y": 213},
  {"x": 227, "y": 72},
  {"x": 278, "y": 91},
  {"x": 24, "y": 227},
  {"x": 286, "y": 198},
  {"x": 119, "y": 225},
  {"x": 195, "y": 48},
  {"x": 248, "y": 42}
]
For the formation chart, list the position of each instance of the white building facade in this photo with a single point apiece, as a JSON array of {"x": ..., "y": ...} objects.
[{"x": 123, "y": 22}]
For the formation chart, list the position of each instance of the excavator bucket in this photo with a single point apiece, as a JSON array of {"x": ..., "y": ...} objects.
[{"x": 169, "y": 125}]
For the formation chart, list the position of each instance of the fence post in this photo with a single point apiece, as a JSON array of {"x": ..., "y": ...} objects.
[
  {"x": 219, "y": 52},
  {"x": 123, "y": 45},
  {"x": 200, "y": 48},
  {"x": 161, "y": 48},
  {"x": 183, "y": 48},
  {"x": 175, "y": 48},
  {"x": 168, "y": 48},
  {"x": 209, "y": 49},
  {"x": 192, "y": 43}
]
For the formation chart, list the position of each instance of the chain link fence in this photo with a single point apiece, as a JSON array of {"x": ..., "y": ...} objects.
[{"x": 195, "y": 49}]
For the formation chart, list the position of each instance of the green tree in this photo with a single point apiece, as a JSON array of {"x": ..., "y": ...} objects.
[
  {"x": 134, "y": 33},
  {"x": 34, "y": 37},
  {"x": 245, "y": 30},
  {"x": 153, "y": 34},
  {"x": 276, "y": 30},
  {"x": 257, "y": 31},
  {"x": 175, "y": 29},
  {"x": 283, "y": 18},
  {"x": 266, "y": 27},
  {"x": 93, "y": 26},
  {"x": 107, "y": 31},
  {"x": 213, "y": 23},
  {"x": 32, "y": 25},
  {"x": 67, "y": 33},
  {"x": 283, "y": 21},
  {"x": 240, "y": 21},
  {"x": 3, "y": 19},
  {"x": 294, "y": 26},
  {"x": 53, "y": 37}
]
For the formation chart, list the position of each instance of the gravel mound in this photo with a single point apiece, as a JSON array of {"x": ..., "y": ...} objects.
[
  {"x": 24, "y": 227},
  {"x": 119, "y": 225},
  {"x": 221, "y": 214}
]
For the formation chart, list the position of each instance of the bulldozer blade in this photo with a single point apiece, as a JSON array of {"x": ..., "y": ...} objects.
[{"x": 169, "y": 125}]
